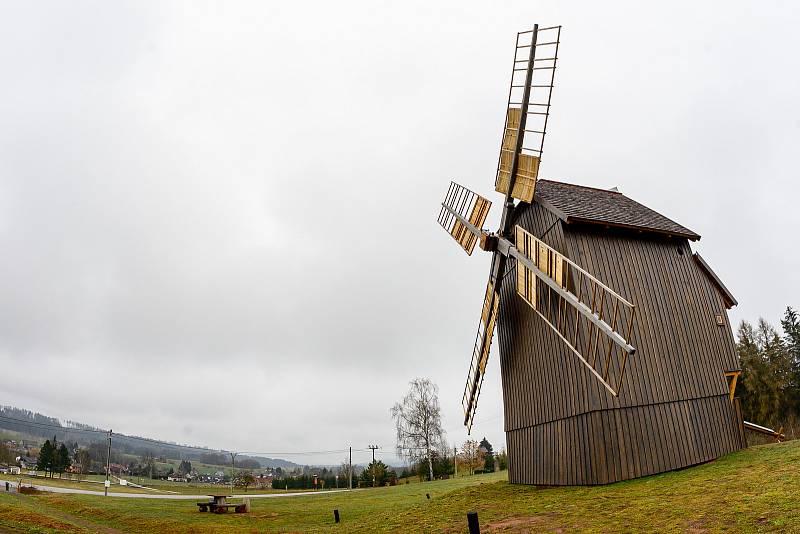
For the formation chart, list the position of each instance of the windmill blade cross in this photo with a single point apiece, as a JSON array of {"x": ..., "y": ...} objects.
[
  {"x": 462, "y": 214},
  {"x": 540, "y": 266}
]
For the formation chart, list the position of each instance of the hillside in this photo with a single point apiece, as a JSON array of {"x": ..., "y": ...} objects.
[
  {"x": 27, "y": 425},
  {"x": 749, "y": 491}
]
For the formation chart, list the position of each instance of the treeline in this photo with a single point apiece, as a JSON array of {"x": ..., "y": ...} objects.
[
  {"x": 218, "y": 458},
  {"x": 36, "y": 425},
  {"x": 375, "y": 474},
  {"x": 28, "y": 422},
  {"x": 306, "y": 478},
  {"x": 770, "y": 381},
  {"x": 443, "y": 467}
]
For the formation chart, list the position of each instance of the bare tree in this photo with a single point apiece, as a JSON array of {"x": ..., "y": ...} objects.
[
  {"x": 148, "y": 461},
  {"x": 243, "y": 479},
  {"x": 419, "y": 422},
  {"x": 344, "y": 471},
  {"x": 470, "y": 455},
  {"x": 84, "y": 460}
]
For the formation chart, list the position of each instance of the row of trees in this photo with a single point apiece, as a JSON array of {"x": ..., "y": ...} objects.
[
  {"x": 53, "y": 458},
  {"x": 376, "y": 473},
  {"x": 770, "y": 379}
]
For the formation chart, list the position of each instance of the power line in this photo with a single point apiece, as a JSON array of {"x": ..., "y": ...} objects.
[
  {"x": 67, "y": 429},
  {"x": 104, "y": 433}
]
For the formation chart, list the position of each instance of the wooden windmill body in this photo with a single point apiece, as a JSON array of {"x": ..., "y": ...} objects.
[
  {"x": 562, "y": 425},
  {"x": 568, "y": 342}
]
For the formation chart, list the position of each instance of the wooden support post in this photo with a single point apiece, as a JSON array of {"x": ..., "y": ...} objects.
[{"x": 472, "y": 523}]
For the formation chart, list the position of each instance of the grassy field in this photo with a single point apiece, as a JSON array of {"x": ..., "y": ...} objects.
[
  {"x": 95, "y": 483},
  {"x": 755, "y": 490}
]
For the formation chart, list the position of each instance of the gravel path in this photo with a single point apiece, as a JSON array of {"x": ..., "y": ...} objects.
[{"x": 53, "y": 489}]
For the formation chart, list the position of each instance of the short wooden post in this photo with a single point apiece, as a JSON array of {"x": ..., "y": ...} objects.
[
  {"x": 472, "y": 523},
  {"x": 336, "y": 515},
  {"x": 247, "y": 505}
]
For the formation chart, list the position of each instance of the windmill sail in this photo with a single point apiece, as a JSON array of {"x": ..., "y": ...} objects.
[
  {"x": 463, "y": 214},
  {"x": 480, "y": 353},
  {"x": 593, "y": 320},
  {"x": 528, "y": 109}
]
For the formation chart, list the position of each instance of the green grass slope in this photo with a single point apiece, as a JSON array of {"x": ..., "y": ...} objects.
[{"x": 756, "y": 490}]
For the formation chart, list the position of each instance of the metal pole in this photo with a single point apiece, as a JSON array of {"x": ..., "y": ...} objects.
[
  {"x": 108, "y": 465},
  {"x": 455, "y": 462},
  {"x": 233, "y": 468},
  {"x": 350, "y": 471}
]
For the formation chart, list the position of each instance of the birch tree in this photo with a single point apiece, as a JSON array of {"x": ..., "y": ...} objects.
[{"x": 418, "y": 421}]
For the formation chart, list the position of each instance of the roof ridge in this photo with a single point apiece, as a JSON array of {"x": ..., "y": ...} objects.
[{"x": 582, "y": 186}]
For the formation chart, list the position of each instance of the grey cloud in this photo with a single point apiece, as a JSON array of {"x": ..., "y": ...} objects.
[{"x": 233, "y": 205}]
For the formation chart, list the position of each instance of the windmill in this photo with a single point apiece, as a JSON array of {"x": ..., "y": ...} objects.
[{"x": 566, "y": 338}]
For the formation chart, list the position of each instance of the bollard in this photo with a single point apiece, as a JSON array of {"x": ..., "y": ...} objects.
[
  {"x": 7, "y": 486},
  {"x": 247, "y": 504},
  {"x": 472, "y": 523},
  {"x": 336, "y": 515}
]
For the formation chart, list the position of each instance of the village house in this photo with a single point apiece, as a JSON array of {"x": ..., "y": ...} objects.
[{"x": 27, "y": 462}]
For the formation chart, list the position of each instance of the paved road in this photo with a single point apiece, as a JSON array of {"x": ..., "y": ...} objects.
[{"x": 175, "y": 496}]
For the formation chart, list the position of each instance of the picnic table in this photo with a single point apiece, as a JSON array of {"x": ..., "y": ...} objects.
[{"x": 219, "y": 505}]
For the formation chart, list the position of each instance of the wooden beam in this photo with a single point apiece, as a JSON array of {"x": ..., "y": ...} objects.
[{"x": 734, "y": 376}]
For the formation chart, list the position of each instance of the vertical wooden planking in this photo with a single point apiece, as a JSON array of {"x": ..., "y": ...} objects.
[{"x": 665, "y": 418}]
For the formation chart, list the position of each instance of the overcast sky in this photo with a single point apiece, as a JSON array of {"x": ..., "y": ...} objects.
[{"x": 218, "y": 221}]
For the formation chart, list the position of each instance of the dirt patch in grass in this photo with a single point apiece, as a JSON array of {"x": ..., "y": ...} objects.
[
  {"x": 16, "y": 517},
  {"x": 696, "y": 527},
  {"x": 529, "y": 523}
]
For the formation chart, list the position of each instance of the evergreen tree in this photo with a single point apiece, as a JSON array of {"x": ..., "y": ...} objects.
[
  {"x": 185, "y": 467},
  {"x": 46, "y": 456},
  {"x": 62, "y": 461},
  {"x": 378, "y": 473},
  {"x": 488, "y": 455},
  {"x": 770, "y": 379},
  {"x": 791, "y": 338}
]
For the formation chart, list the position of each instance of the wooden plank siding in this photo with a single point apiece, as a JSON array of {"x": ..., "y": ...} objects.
[
  {"x": 551, "y": 453},
  {"x": 562, "y": 426}
]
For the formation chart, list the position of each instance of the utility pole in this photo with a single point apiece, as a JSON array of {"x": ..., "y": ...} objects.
[
  {"x": 108, "y": 464},
  {"x": 373, "y": 447},
  {"x": 350, "y": 471},
  {"x": 233, "y": 468}
]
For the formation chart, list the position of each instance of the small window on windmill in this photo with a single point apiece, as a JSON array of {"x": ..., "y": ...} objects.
[{"x": 720, "y": 319}]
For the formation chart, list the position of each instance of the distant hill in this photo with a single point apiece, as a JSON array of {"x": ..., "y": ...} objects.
[{"x": 38, "y": 427}]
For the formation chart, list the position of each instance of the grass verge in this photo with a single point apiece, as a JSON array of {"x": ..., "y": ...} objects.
[{"x": 755, "y": 490}]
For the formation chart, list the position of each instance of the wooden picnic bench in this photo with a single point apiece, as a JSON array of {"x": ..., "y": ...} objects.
[{"x": 219, "y": 505}]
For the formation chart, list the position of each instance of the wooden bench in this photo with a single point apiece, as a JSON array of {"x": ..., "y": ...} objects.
[{"x": 213, "y": 507}]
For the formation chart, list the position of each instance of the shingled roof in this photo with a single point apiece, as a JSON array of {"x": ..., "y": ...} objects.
[{"x": 580, "y": 204}]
